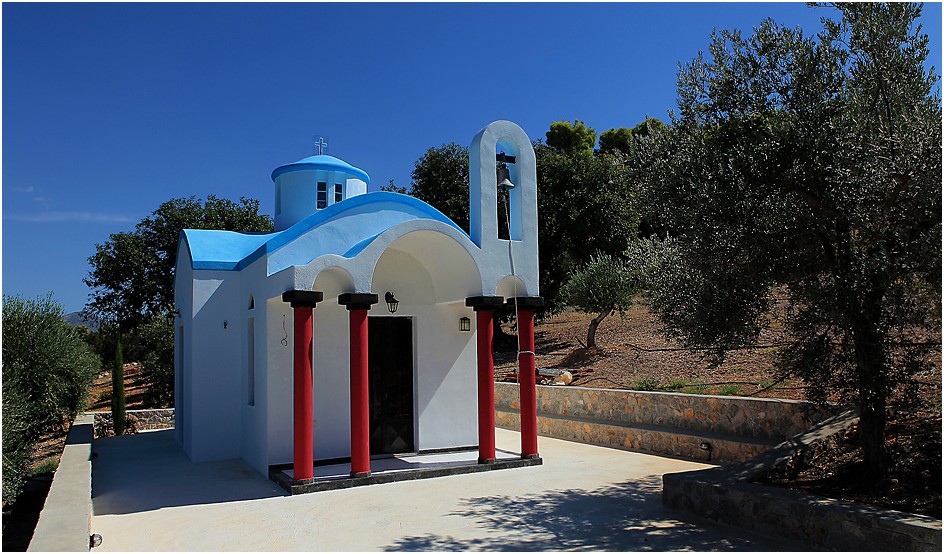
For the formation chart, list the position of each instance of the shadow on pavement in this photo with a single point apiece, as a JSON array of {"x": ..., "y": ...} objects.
[
  {"x": 149, "y": 471},
  {"x": 625, "y": 517}
]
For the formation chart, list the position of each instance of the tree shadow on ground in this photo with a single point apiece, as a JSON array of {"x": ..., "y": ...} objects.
[{"x": 625, "y": 517}]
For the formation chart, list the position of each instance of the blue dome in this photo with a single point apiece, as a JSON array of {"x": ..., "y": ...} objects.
[{"x": 323, "y": 162}]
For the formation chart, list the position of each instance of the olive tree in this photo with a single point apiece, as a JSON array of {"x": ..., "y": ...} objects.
[
  {"x": 603, "y": 285},
  {"x": 810, "y": 166}
]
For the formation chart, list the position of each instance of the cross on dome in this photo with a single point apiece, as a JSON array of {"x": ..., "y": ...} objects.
[{"x": 321, "y": 145}]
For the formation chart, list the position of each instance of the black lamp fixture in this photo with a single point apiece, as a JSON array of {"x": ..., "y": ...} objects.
[
  {"x": 392, "y": 302},
  {"x": 465, "y": 324},
  {"x": 170, "y": 317}
]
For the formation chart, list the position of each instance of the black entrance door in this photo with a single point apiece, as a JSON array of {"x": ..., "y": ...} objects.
[{"x": 390, "y": 378}]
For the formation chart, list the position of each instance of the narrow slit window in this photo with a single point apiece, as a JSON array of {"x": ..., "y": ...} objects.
[
  {"x": 338, "y": 193},
  {"x": 251, "y": 363},
  {"x": 322, "y": 195}
]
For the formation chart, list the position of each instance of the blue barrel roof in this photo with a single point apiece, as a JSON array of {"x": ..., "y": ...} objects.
[{"x": 323, "y": 162}]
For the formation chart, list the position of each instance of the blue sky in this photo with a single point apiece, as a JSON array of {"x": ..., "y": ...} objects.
[{"x": 111, "y": 109}]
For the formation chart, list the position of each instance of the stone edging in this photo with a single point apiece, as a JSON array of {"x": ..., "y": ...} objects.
[
  {"x": 65, "y": 521},
  {"x": 726, "y": 495}
]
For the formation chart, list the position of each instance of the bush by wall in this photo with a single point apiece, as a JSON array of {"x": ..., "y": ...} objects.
[{"x": 47, "y": 371}]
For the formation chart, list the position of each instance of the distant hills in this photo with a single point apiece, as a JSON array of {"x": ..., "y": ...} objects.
[{"x": 76, "y": 318}]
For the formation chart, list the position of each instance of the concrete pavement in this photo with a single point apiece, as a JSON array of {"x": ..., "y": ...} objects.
[{"x": 148, "y": 496}]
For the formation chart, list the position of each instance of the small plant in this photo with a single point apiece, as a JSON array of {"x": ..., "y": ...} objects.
[
  {"x": 676, "y": 384},
  {"x": 699, "y": 389},
  {"x": 646, "y": 384},
  {"x": 49, "y": 465},
  {"x": 729, "y": 390}
]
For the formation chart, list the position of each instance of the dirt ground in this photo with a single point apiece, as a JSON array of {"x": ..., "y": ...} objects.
[
  {"x": 100, "y": 393},
  {"x": 633, "y": 353}
]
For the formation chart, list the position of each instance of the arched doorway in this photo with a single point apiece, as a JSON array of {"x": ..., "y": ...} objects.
[{"x": 421, "y": 362}]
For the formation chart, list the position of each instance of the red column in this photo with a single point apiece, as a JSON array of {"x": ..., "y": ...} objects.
[
  {"x": 486, "y": 373},
  {"x": 360, "y": 399},
  {"x": 303, "y": 465},
  {"x": 527, "y": 385}
]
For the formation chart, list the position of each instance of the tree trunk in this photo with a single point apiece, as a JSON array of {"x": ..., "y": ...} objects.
[
  {"x": 502, "y": 341},
  {"x": 873, "y": 395},
  {"x": 592, "y": 329}
]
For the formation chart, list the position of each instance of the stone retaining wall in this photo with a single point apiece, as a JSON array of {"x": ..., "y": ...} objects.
[
  {"x": 700, "y": 427},
  {"x": 727, "y": 495},
  {"x": 137, "y": 421}
]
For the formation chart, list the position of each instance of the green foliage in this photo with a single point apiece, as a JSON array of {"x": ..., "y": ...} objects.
[
  {"x": 604, "y": 285},
  {"x": 572, "y": 138},
  {"x": 809, "y": 165},
  {"x": 132, "y": 275},
  {"x": 621, "y": 140},
  {"x": 154, "y": 347},
  {"x": 645, "y": 259},
  {"x": 441, "y": 179},
  {"x": 118, "y": 390},
  {"x": 49, "y": 465},
  {"x": 47, "y": 371},
  {"x": 392, "y": 187},
  {"x": 676, "y": 384},
  {"x": 647, "y": 126},
  {"x": 616, "y": 140},
  {"x": 729, "y": 390},
  {"x": 646, "y": 384},
  {"x": 573, "y": 191}
]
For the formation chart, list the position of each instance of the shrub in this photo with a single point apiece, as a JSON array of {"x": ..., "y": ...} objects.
[
  {"x": 157, "y": 362},
  {"x": 47, "y": 371}
]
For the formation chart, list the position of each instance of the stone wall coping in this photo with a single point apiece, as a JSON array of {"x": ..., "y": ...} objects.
[
  {"x": 65, "y": 520},
  {"x": 669, "y": 394},
  {"x": 144, "y": 410}
]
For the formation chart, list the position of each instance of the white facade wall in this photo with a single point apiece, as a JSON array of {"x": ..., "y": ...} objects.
[
  {"x": 278, "y": 378},
  {"x": 215, "y": 355},
  {"x": 183, "y": 301},
  {"x": 254, "y": 418}
]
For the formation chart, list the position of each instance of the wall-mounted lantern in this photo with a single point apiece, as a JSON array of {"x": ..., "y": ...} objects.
[
  {"x": 170, "y": 317},
  {"x": 392, "y": 302},
  {"x": 465, "y": 324}
]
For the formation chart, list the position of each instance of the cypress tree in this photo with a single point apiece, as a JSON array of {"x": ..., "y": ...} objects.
[{"x": 118, "y": 391}]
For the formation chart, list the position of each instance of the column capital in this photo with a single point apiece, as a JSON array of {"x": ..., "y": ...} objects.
[
  {"x": 527, "y": 302},
  {"x": 357, "y": 300},
  {"x": 479, "y": 303},
  {"x": 303, "y": 298}
]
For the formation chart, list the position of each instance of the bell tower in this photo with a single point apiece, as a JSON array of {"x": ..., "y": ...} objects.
[{"x": 522, "y": 246}]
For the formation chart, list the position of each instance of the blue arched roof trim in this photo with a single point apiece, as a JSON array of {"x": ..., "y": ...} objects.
[
  {"x": 325, "y": 162},
  {"x": 229, "y": 250}
]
